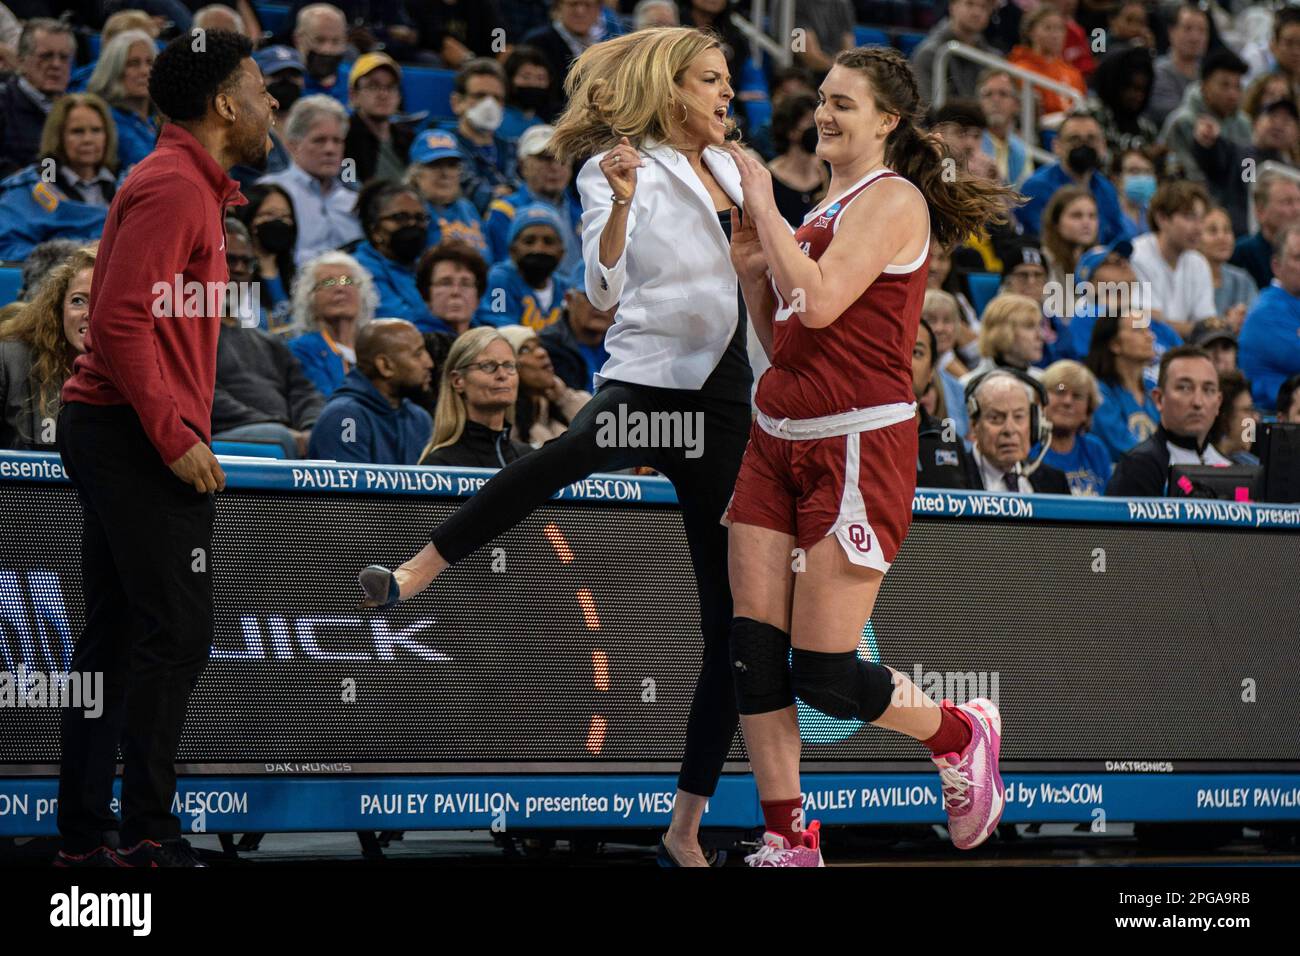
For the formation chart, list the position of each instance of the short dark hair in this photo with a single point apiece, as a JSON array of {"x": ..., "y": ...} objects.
[
  {"x": 479, "y": 66},
  {"x": 1176, "y": 353},
  {"x": 963, "y": 112},
  {"x": 374, "y": 195},
  {"x": 1179, "y": 195},
  {"x": 462, "y": 253},
  {"x": 1286, "y": 393},
  {"x": 786, "y": 115},
  {"x": 1286, "y": 17},
  {"x": 522, "y": 56},
  {"x": 1187, "y": 8},
  {"x": 1223, "y": 61},
  {"x": 1079, "y": 114},
  {"x": 183, "y": 80}
]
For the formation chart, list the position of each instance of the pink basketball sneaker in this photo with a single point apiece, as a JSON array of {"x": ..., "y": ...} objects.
[
  {"x": 777, "y": 851},
  {"x": 972, "y": 786}
]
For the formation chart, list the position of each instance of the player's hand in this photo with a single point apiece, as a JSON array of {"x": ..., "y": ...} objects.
[
  {"x": 755, "y": 183},
  {"x": 619, "y": 166},
  {"x": 747, "y": 256},
  {"x": 200, "y": 468}
]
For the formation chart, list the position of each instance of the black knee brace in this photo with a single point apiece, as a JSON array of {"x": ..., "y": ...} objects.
[
  {"x": 841, "y": 685},
  {"x": 760, "y": 664}
]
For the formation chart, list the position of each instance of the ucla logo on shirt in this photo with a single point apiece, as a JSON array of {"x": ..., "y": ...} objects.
[{"x": 827, "y": 215}]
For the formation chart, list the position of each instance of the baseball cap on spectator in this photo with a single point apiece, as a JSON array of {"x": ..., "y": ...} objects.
[
  {"x": 433, "y": 145},
  {"x": 276, "y": 59},
  {"x": 1284, "y": 104},
  {"x": 368, "y": 63},
  {"x": 1089, "y": 261},
  {"x": 535, "y": 140},
  {"x": 1025, "y": 252},
  {"x": 1209, "y": 331},
  {"x": 534, "y": 214}
]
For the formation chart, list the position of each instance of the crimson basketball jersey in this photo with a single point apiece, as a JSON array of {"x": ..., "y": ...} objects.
[{"x": 863, "y": 358}]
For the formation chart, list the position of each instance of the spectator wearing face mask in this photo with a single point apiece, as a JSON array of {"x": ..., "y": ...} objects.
[
  {"x": 528, "y": 92},
  {"x": 320, "y": 36},
  {"x": 799, "y": 178},
  {"x": 397, "y": 228},
  {"x": 268, "y": 215},
  {"x": 1136, "y": 178},
  {"x": 1079, "y": 147},
  {"x": 374, "y": 415},
  {"x": 546, "y": 181},
  {"x": 489, "y": 164},
  {"x": 525, "y": 289}
]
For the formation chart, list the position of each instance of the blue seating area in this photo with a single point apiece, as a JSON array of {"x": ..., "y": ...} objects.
[
  {"x": 272, "y": 15},
  {"x": 11, "y": 280},
  {"x": 983, "y": 287},
  {"x": 424, "y": 88}
]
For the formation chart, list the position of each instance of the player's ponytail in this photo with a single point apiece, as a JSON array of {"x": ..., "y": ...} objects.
[{"x": 960, "y": 204}]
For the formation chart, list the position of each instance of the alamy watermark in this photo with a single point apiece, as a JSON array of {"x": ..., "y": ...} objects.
[
  {"x": 193, "y": 299},
  {"x": 640, "y": 429},
  {"x": 959, "y": 686},
  {"x": 39, "y": 689}
]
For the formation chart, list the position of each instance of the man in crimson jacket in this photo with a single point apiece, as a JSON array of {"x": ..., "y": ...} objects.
[{"x": 134, "y": 433}]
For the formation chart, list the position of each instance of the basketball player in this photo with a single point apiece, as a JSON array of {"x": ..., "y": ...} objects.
[{"x": 830, "y": 469}]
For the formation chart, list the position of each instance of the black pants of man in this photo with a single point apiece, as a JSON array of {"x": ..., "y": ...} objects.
[
  {"x": 704, "y": 485},
  {"x": 145, "y": 565}
]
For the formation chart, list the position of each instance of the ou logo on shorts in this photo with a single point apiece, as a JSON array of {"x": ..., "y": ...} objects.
[{"x": 860, "y": 537}]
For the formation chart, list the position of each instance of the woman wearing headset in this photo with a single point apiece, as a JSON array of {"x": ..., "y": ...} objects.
[
  {"x": 830, "y": 469},
  {"x": 650, "y": 110}
]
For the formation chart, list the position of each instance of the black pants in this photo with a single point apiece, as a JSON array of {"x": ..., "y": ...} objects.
[
  {"x": 704, "y": 486},
  {"x": 146, "y": 552}
]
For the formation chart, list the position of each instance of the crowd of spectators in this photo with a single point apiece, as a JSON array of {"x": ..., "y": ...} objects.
[{"x": 417, "y": 268}]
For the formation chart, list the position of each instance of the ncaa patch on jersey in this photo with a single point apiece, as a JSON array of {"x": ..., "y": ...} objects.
[{"x": 827, "y": 215}]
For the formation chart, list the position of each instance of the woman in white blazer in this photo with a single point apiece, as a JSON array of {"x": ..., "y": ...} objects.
[{"x": 658, "y": 193}]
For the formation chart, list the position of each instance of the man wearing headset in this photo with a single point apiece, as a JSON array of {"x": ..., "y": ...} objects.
[{"x": 1006, "y": 417}]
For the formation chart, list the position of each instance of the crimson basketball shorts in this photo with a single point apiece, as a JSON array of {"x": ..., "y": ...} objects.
[{"x": 857, "y": 486}]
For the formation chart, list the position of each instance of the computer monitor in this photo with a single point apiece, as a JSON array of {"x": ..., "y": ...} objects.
[
  {"x": 1231, "y": 482},
  {"x": 1278, "y": 447}
]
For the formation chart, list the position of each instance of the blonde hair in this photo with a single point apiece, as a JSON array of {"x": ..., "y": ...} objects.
[
  {"x": 52, "y": 132},
  {"x": 1076, "y": 377},
  {"x": 998, "y": 328},
  {"x": 628, "y": 86},
  {"x": 39, "y": 324},
  {"x": 449, "y": 416}
]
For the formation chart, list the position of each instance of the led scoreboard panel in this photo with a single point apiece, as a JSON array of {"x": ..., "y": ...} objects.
[{"x": 1118, "y": 637}]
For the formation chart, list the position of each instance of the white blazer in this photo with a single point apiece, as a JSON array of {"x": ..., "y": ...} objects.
[{"x": 674, "y": 284}]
